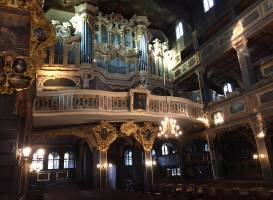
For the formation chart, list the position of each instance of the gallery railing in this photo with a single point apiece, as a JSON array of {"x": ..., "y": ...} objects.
[
  {"x": 242, "y": 105},
  {"x": 194, "y": 96},
  {"x": 136, "y": 101}
]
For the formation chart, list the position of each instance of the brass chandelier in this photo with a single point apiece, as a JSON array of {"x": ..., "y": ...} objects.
[{"x": 169, "y": 127}]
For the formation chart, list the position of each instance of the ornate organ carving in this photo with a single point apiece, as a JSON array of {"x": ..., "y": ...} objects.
[{"x": 108, "y": 47}]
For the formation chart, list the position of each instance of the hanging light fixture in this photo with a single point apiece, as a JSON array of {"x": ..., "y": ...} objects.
[{"x": 169, "y": 126}]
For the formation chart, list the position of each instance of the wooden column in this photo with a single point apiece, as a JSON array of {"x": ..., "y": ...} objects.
[
  {"x": 246, "y": 66},
  {"x": 264, "y": 147},
  {"x": 203, "y": 85},
  {"x": 103, "y": 168},
  {"x": 214, "y": 154}
]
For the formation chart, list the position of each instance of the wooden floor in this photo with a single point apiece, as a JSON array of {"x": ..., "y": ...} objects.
[
  {"x": 74, "y": 192},
  {"x": 69, "y": 192}
]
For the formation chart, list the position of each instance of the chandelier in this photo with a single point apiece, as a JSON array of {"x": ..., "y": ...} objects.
[{"x": 169, "y": 128}]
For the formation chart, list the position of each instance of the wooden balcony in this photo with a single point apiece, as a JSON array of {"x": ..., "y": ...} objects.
[{"x": 84, "y": 106}]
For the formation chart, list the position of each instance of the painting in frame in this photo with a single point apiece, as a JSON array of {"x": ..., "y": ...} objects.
[
  {"x": 15, "y": 27},
  {"x": 140, "y": 101}
]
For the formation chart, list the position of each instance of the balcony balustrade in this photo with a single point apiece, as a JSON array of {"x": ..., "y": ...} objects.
[
  {"x": 135, "y": 105},
  {"x": 242, "y": 105}
]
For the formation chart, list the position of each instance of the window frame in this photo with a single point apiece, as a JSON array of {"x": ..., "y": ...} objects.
[
  {"x": 164, "y": 150},
  {"x": 38, "y": 160},
  {"x": 69, "y": 160},
  {"x": 227, "y": 88},
  {"x": 207, "y": 5},
  {"x": 55, "y": 161},
  {"x": 179, "y": 31},
  {"x": 128, "y": 157}
]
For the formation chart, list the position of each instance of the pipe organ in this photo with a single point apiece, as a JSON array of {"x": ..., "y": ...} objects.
[{"x": 90, "y": 46}]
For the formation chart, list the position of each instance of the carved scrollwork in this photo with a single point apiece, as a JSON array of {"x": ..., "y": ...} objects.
[
  {"x": 146, "y": 136},
  {"x": 129, "y": 128},
  {"x": 20, "y": 71},
  {"x": 42, "y": 36},
  {"x": 105, "y": 134}
]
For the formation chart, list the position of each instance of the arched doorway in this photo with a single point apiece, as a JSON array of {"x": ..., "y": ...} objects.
[
  {"x": 127, "y": 158},
  {"x": 236, "y": 149}
]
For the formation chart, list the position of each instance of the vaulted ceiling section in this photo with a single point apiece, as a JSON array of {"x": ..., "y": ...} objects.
[{"x": 162, "y": 14}]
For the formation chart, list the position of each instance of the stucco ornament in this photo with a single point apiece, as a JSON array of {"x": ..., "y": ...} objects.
[
  {"x": 146, "y": 136},
  {"x": 105, "y": 134},
  {"x": 129, "y": 128}
]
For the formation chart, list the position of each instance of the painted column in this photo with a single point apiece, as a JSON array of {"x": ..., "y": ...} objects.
[
  {"x": 246, "y": 66},
  {"x": 214, "y": 154},
  {"x": 264, "y": 147},
  {"x": 95, "y": 169},
  {"x": 105, "y": 134},
  {"x": 103, "y": 168},
  {"x": 148, "y": 171},
  {"x": 182, "y": 161},
  {"x": 203, "y": 85}
]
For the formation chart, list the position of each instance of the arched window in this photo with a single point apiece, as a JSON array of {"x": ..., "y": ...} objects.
[
  {"x": 208, "y": 4},
  {"x": 164, "y": 150},
  {"x": 128, "y": 158},
  {"x": 227, "y": 89},
  {"x": 38, "y": 160},
  {"x": 53, "y": 160},
  {"x": 179, "y": 30},
  {"x": 69, "y": 160}
]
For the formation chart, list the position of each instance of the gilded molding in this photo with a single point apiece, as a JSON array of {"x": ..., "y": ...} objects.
[{"x": 38, "y": 47}]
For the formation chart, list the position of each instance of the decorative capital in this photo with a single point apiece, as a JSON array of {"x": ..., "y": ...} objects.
[
  {"x": 105, "y": 134},
  {"x": 240, "y": 45},
  {"x": 146, "y": 136}
]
